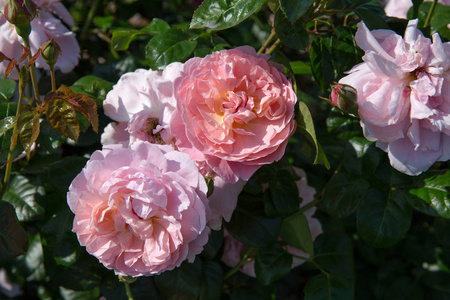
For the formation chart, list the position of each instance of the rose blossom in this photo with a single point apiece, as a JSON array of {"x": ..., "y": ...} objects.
[
  {"x": 44, "y": 27},
  {"x": 233, "y": 248},
  {"x": 235, "y": 111},
  {"x": 404, "y": 95},
  {"x": 140, "y": 210},
  {"x": 141, "y": 102},
  {"x": 400, "y": 8}
]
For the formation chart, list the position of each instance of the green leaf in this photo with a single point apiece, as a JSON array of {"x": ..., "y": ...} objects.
[
  {"x": 372, "y": 14},
  {"x": 328, "y": 287},
  {"x": 170, "y": 46},
  {"x": 92, "y": 86},
  {"x": 13, "y": 239},
  {"x": 31, "y": 265},
  {"x": 7, "y": 124},
  {"x": 321, "y": 62},
  {"x": 272, "y": 263},
  {"x": 295, "y": 231},
  {"x": 436, "y": 192},
  {"x": 22, "y": 194},
  {"x": 334, "y": 253},
  {"x": 439, "y": 20},
  {"x": 257, "y": 231},
  {"x": 293, "y": 35},
  {"x": 63, "y": 118},
  {"x": 197, "y": 280},
  {"x": 29, "y": 128},
  {"x": 121, "y": 39},
  {"x": 345, "y": 51},
  {"x": 7, "y": 110},
  {"x": 284, "y": 198},
  {"x": 67, "y": 294},
  {"x": 222, "y": 14},
  {"x": 7, "y": 89},
  {"x": 343, "y": 195},
  {"x": 300, "y": 68},
  {"x": 305, "y": 125},
  {"x": 104, "y": 23},
  {"x": 383, "y": 217},
  {"x": 294, "y": 9},
  {"x": 342, "y": 126},
  {"x": 156, "y": 26}
]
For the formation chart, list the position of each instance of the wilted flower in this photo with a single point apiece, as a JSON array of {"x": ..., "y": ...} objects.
[{"x": 404, "y": 95}]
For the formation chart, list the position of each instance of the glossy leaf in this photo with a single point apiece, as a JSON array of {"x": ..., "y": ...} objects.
[
  {"x": 156, "y": 26},
  {"x": 121, "y": 39},
  {"x": 436, "y": 192},
  {"x": 291, "y": 34},
  {"x": 295, "y": 231},
  {"x": 94, "y": 87},
  {"x": 7, "y": 89},
  {"x": 29, "y": 127},
  {"x": 63, "y": 118},
  {"x": 13, "y": 238},
  {"x": 300, "y": 67},
  {"x": 23, "y": 195},
  {"x": 222, "y": 14},
  {"x": 343, "y": 195},
  {"x": 328, "y": 287},
  {"x": 272, "y": 263},
  {"x": 294, "y": 9},
  {"x": 384, "y": 217},
  {"x": 372, "y": 14},
  {"x": 284, "y": 198},
  {"x": 170, "y": 46},
  {"x": 345, "y": 52},
  {"x": 305, "y": 125},
  {"x": 7, "y": 124},
  {"x": 321, "y": 62}
]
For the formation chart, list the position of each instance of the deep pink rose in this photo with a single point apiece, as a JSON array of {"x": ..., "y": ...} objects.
[
  {"x": 43, "y": 28},
  {"x": 140, "y": 210},
  {"x": 404, "y": 95},
  {"x": 232, "y": 248},
  {"x": 235, "y": 111},
  {"x": 141, "y": 102}
]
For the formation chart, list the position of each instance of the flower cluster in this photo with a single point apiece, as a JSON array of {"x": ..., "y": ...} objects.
[
  {"x": 403, "y": 95},
  {"x": 49, "y": 24},
  {"x": 140, "y": 204}
]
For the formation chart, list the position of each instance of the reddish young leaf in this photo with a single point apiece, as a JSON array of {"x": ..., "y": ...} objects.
[
  {"x": 62, "y": 117},
  {"x": 29, "y": 128},
  {"x": 2, "y": 56},
  {"x": 35, "y": 56},
  {"x": 25, "y": 52},
  {"x": 10, "y": 67}
]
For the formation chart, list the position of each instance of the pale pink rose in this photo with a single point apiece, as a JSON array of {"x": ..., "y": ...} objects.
[
  {"x": 404, "y": 95},
  {"x": 232, "y": 248},
  {"x": 141, "y": 210},
  {"x": 44, "y": 27},
  {"x": 141, "y": 102},
  {"x": 400, "y": 8},
  {"x": 235, "y": 111}
]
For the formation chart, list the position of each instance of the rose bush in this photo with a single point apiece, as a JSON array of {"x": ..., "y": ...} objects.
[
  {"x": 233, "y": 248},
  {"x": 141, "y": 102},
  {"x": 404, "y": 96},
  {"x": 400, "y": 8},
  {"x": 140, "y": 210},
  {"x": 43, "y": 28},
  {"x": 235, "y": 112}
]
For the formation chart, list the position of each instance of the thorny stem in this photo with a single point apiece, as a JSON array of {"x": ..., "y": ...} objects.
[
  {"x": 26, "y": 41},
  {"x": 430, "y": 14},
  {"x": 13, "y": 145},
  {"x": 267, "y": 42},
  {"x": 274, "y": 47},
  {"x": 247, "y": 257}
]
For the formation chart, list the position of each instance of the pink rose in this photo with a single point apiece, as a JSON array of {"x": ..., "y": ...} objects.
[
  {"x": 400, "y": 8},
  {"x": 404, "y": 95},
  {"x": 140, "y": 210},
  {"x": 235, "y": 111},
  {"x": 141, "y": 102},
  {"x": 43, "y": 28},
  {"x": 232, "y": 248}
]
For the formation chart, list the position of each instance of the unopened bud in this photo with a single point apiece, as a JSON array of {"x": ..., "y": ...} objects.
[
  {"x": 344, "y": 97},
  {"x": 20, "y": 13},
  {"x": 50, "y": 52}
]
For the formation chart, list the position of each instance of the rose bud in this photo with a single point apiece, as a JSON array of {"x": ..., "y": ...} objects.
[
  {"x": 343, "y": 97},
  {"x": 50, "y": 52},
  {"x": 20, "y": 13}
]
